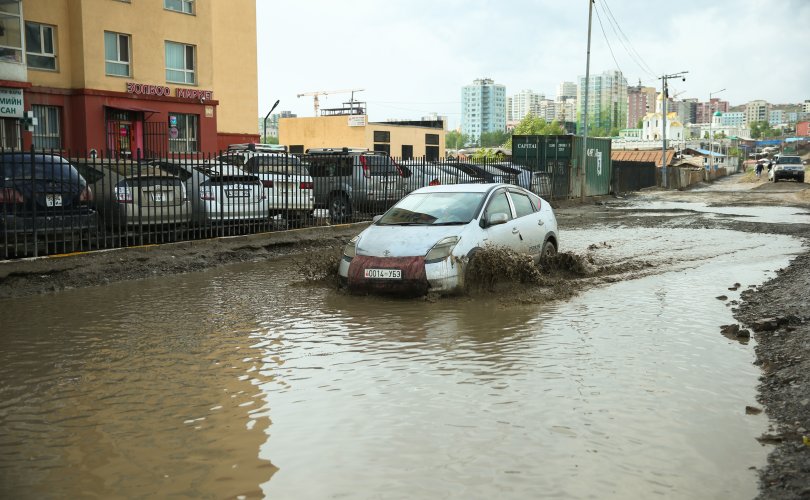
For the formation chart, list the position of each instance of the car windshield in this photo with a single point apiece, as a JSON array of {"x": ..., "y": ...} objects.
[
  {"x": 431, "y": 209},
  {"x": 789, "y": 160}
]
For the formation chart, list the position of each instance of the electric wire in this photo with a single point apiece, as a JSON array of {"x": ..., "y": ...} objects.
[
  {"x": 632, "y": 50},
  {"x": 598, "y": 18}
]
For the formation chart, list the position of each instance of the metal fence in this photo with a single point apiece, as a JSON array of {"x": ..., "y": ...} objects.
[{"x": 56, "y": 203}]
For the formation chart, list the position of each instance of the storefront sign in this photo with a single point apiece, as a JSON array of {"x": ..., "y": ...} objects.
[
  {"x": 11, "y": 103},
  {"x": 162, "y": 90},
  {"x": 357, "y": 120}
]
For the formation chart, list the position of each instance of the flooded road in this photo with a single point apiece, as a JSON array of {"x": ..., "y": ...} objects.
[{"x": 245, "y": 381}]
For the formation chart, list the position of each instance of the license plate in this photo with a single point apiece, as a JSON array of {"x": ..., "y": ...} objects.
[
  {"x": 160, "y": 196},
  {"x": 53, "y": 200},
  {"x": 237, "y": 193},
  {"x": 384, "y": 274}
]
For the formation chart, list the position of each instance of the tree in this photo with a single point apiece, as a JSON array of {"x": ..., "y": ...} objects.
[
  {"x": 270, "y": 140},
  {"x": 454, "y": 140},
  {"x": 532, "y": 125},
  {"x": 484, "y": 155},
  {"x": 494, "y": 139},
  {"x": 640, "y": 123}
]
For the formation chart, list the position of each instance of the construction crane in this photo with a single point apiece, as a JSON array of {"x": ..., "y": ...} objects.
[{"x": 325, "y": 92}]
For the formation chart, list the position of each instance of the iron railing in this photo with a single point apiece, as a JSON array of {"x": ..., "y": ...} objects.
[{"x": 54, "y": 202}]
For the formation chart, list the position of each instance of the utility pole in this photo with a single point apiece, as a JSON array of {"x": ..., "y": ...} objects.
[
  {"x": 664, "y": 94},
  {"x": 584, "y": 160}
]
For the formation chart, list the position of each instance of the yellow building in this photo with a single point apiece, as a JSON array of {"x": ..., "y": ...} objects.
[
  {"x": 404, "y": 140},
  {"x": 122, "y": 76}
]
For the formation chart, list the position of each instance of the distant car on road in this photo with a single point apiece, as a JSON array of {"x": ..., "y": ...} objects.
[
  {"x": 425, "y": 242},
  {"x": 787, "y": 167}
]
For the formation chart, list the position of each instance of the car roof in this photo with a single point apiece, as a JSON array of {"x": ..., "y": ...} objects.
[{"x": 462, "y": 188}]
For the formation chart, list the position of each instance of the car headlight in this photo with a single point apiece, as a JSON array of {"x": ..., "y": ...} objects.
[
  {"x": 442, "y": 249},
  {"x": 350, "y": 250}
]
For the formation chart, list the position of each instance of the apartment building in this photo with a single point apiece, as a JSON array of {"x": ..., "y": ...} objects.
[
  {"x": 640, "y": 101},
  {"x": 523, "y": 103},
  {"x": 483, "y": 108},
  {"x": 126, "y": 77},
  {"x": 607, "y": 101},
  {"x": 757, "y": 111}
]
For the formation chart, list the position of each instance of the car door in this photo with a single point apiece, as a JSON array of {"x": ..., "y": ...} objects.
[
  {"x": 506, "y": 235},
  {"x": 529, "y": 222}
]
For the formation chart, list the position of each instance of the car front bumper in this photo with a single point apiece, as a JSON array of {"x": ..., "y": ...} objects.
[{"x": 419, "y": 277}]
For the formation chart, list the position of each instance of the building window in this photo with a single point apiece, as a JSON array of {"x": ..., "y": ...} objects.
[
  {"x": 187, "y": 133},
  {"x": 180, "y": 63},
  {"x": 184, "y": 6},
  {"x": 407, "y": 152},
  {"x": 382, "y": 136},
  {"x": 432, "y": 153},
  {"x": 432, "y": 139},
  {"x": 9, "y": 133},
  {"x": 383, "y": 148},
  {"x": 296, "y": 149},
  {"x": 116, "y": 54},
  {"x": 40, "y": 49},
  {"x": 47, "y": 132},
  {"x": 10, "y": 32}
]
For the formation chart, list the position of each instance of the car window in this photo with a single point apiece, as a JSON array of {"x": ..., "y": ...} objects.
[
  {"x": 523, "y": 205},
  {"x": 789, "y": 160},
  {"x": 378, "y": 165},
  {"x": 434, "y": 209},
  {"x": 499, "y": 204},
  {"x": 237, "y": 160},
  {"x": 275, "y": 164}
]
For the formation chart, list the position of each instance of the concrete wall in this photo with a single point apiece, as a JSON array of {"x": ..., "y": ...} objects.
[{"x": 335, "y": 132}]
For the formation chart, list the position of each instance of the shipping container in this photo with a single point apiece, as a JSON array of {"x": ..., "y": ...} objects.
[{"x": 554, "y": 161}]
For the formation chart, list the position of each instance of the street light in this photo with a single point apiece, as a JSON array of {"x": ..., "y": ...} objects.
[
  {"x": 711, "y": 130},
  {"x": 265, "y": 120}
]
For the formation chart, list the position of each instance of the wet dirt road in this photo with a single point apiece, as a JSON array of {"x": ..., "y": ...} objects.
[{"x": 248, "y": 381}]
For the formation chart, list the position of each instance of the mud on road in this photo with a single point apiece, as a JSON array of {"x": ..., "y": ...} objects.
[{"x": 777, "y": 312}]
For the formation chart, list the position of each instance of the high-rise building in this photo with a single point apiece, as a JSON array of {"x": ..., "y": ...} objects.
[
  {"x": 523, "y": 103},
  {"x": 566, "y": 90},
  {"x": 705, "y": 110},
  {"x": 483, "y": 108},
  {"x": 640, "y": 101},
  {"x": 757, "y": 111},
  {"x": 607, "y": 101},
  {"x": 687, "y": 110},
  {"x": 126, "y": 77}
]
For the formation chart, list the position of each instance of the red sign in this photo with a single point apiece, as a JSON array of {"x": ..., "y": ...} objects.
[{"x": 162, "y": 90}]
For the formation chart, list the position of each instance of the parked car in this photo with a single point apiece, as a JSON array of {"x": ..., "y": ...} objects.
[
  {"x": 349, "y": 181},
  {"x": 426, "y": 241},
  {"x": 220, "y": 193},
  {"x": 787, "y": 167},
  {"x": 288, "y": 187},
  {"x": 471, "y": 171},
  {"x": 44, "y": 196},
  {"x": 130, "y": 195},
  {"x": 418, "y": 173}
]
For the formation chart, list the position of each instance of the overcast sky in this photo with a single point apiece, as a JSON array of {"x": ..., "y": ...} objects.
[{"x": 413, "y": 56}]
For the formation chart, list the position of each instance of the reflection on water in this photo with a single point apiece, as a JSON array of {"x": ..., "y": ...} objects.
[{"x": 244, "y": 382}]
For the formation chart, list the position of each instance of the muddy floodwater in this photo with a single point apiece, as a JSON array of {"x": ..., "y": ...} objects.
[{"x": 246, "y": 381}]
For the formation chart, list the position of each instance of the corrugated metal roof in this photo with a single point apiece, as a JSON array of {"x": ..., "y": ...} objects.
[
  {"x": 704, "y": 152},
  {"x": 649, "y": 156}
]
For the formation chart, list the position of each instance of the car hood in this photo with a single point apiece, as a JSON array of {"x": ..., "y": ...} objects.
[{"x": 403, "y": 241}]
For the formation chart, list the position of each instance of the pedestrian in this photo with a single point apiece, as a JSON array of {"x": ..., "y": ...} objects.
[{"x": 759, "y": 169}]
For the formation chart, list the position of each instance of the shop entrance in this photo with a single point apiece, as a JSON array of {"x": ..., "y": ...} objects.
[{"x": 129, "y": 135}]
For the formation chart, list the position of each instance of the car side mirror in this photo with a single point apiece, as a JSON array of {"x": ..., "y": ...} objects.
[{"x": 496, "y": 219}]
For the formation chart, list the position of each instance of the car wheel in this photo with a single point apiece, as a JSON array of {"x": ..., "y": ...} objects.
[
  {"x": 340, "y": 209},
  {"x": 801, "y": 179},
  {"x": 549, "y": 250},
  {"x": 775, "y": 180}
]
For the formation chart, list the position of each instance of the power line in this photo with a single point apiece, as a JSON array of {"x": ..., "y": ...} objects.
[
  {"x": 631, "y": 50},
  {"x": 607, "y": 41}
]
